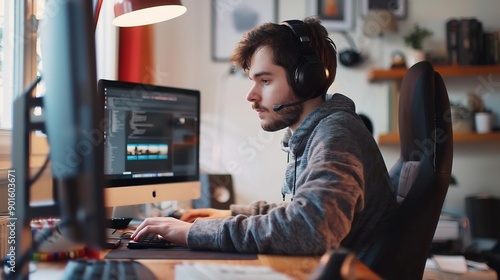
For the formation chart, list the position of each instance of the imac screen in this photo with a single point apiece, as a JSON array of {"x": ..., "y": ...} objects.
[{"x": 151, "y": 143}]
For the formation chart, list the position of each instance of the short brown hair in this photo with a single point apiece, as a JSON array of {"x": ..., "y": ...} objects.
[{"x": 285, "y": 47}]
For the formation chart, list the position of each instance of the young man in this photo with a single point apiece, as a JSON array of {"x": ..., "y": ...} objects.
[{"x": 336, "y": 176}]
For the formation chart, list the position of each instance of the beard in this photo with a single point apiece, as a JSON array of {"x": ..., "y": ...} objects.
[{"x": 284, "y": 118}]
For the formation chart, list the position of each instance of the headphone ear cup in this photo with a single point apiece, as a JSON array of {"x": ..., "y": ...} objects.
[
  {"x": 307, "y": 78},
  {"x": 310, "y": 75}
]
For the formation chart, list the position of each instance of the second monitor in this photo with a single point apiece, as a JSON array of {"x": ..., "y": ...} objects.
[{"x": 151, "y": 143}]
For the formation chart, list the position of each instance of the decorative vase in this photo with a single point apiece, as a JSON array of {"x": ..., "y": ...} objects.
[
  {"x": 483, "y": 122},
  {"x": 414, "y": 56}
]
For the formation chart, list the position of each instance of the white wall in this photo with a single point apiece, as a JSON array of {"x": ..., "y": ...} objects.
[{"x": 232, "y": 140}]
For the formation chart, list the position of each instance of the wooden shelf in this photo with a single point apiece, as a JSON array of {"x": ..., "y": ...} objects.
[
  {"x": 377, "y": 75},
  {"x": 395, "y": 75},
  {"x": 393, "y": 138}
]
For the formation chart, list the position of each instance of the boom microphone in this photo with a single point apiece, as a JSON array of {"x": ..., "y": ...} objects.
[{"x": 278, "y": 107}]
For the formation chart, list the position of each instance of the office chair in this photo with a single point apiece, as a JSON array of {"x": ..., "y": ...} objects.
[{"x": 420, "y": 177}]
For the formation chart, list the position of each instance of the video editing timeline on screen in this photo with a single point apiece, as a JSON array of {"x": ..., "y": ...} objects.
[{"x": 149, "y": 133}]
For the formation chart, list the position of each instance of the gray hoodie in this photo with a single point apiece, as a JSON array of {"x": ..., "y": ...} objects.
[{"x": 341, "y": 193}]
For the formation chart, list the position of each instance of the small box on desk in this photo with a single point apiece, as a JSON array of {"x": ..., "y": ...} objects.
[{"x": 452, "y": 235}]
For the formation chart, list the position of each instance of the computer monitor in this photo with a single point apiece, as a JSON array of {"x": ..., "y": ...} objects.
[
  {"x": 151, "y": 143},
  {"x": 71, "y": 114}
]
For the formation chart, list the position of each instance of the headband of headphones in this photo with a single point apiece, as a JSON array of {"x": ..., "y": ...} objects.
[{"x": 301, "y": 32}]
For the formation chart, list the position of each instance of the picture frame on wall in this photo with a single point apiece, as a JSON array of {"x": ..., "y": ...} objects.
[
  {"x": 231, "y": 19},
  {"x": 398, "y": 7},
  {"x": 335, "y": 15}
]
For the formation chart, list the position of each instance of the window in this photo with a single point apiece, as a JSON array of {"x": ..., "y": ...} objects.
[
  {"x": 5, "y": 16},
  {"x": 18, "y": 63},
  {"x": 2, "y": 19},
  {"x": 21, "y": 61},
  {"x": 17, "y": 52},
  {"x": 3, "y": 143}
]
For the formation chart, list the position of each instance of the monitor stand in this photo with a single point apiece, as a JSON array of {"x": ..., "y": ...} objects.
[
  {"x": 22, "y": 210},
  {"x": 135, "y": 212}
]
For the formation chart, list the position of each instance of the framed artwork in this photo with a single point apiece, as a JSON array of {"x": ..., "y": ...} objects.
[
  {"x": 397, "y": 7},
  {"x": 231, "y": 19},
  {"x": 336, "y": 15}
]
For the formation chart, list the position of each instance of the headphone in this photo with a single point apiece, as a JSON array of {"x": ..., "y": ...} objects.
[{"x": 309, "y": 75}]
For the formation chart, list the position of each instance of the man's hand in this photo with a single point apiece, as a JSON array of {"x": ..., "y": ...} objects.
[
  {"x": 204, "y": 213},
  {"x": 171, "y": 229}
]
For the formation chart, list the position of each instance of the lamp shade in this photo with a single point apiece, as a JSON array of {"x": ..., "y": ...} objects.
[
  {"x": 142, "y": 12},
  {"x": 380, "y": 22}
]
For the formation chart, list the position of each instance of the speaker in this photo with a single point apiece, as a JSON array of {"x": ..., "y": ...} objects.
[
  {"x": 309, "y": 75},
  {"x": 216, "y": 191}
]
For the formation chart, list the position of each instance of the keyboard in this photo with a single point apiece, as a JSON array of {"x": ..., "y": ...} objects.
[
  {"x": 104, "y": 269},
  {"x": 150, "y": 240}
]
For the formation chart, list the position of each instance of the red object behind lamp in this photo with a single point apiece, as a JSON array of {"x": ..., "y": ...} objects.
[{"x": 135, "y": 59}]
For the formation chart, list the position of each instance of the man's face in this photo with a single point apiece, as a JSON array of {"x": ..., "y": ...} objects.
[{"x": 271, "y": 88}]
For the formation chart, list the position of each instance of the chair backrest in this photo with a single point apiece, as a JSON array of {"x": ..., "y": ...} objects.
[{"x": 420, "y": 177}]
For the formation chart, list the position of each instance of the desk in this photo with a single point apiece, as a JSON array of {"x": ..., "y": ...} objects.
[
  {"x": 296, "y": 267},
  {"x": 431, "y": 274}
]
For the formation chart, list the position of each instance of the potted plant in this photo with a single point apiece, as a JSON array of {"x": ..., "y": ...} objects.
[
  {"x": 461, "y": 117},
  {"x": 415, "y": 40}
]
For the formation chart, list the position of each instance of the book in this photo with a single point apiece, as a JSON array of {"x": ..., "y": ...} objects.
[
  {"x": 452, "y": 40},
  {"x": 490, "y": 48},
  {"x": 469, "y": 41}
]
